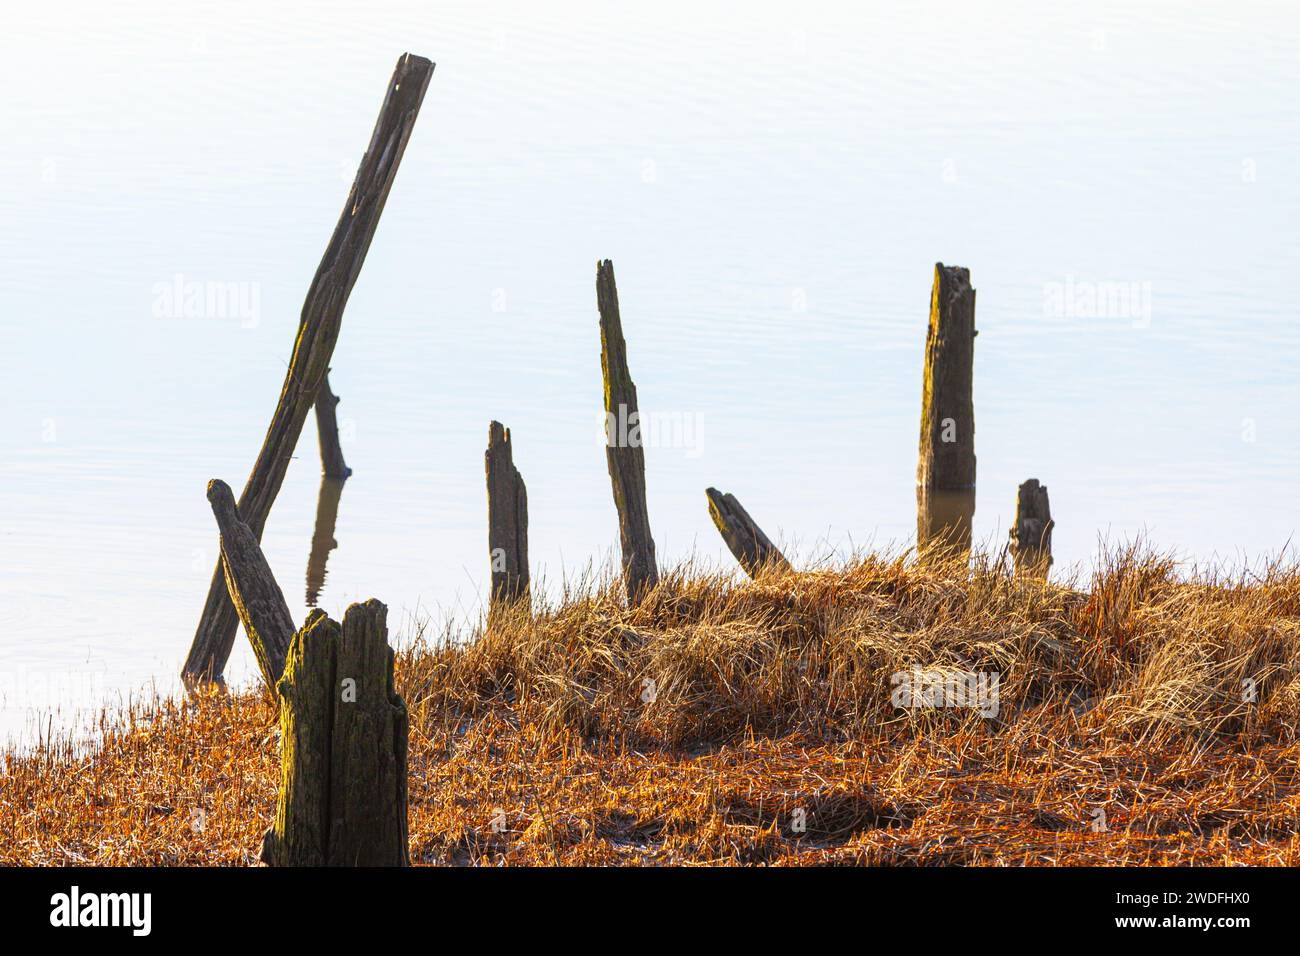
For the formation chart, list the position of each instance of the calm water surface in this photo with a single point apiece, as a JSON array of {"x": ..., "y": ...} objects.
[{"x": 774, "y": 189}]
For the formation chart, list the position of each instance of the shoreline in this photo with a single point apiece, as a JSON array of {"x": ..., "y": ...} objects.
[{"x": 727, "y": 722}]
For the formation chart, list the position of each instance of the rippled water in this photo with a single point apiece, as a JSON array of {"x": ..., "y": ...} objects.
[{"x": 774, "y": 187}]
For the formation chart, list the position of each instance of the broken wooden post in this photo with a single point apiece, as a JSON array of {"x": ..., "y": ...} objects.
[
  {"x": 322, "y": 539},
  {"x": 752, "y": 548},
  {"x": 318, "y": 330},
  {"x": 945, "y": 473},
  {"x": 327, "y": 430},
  {"x": 623, "y": 451},
  {"x": 252, "y": 588},
  {"x": 343, "y": 747},
  {"x": 507, "y": 519},
  {"x": 1031, "y": 535}
]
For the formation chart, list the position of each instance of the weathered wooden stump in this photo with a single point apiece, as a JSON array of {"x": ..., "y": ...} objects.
[
  {"x": 945, "y": 473},
  {"x": 254, "y": 593},
  {"x": 1031, "y": 535},
  {"x": 322, "y": 538},
  {"x": 343, "y": 739},
  {"x": 752, "y": 548},
  {"x": 623, "y": 449},
  {"x": 507, "y": 518},
  {"x": 318, "y": 330},
  {"x": 327, "y": 430}
]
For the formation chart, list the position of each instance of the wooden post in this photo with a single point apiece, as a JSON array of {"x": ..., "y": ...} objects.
[
  {"x": 300, "y": 836},
  {"x": 327, "y": 429},
  {"x": 318, "y": 330},
  {"x": 1031, "y": 535},
  {"x": 752, "y": 548},
  {"x": 507, "y": 518},
  {"x": 322, "y": 539},
  {"x": 253, "y": 591},
  {"x": 623, "y": 451},
  {"x": 945, "y": 474},
  {"x": 343, "y": 757}
]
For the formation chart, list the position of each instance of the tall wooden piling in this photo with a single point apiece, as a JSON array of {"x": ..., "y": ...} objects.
[
  {"x": 343, "y": 739},
  {"x": 507, "y": 518},
  {"x": 945, "y": 474},
  {"x": 1031, "y": 535},
  {"x": 752, "y": 548},
  {"x": 318, "y": 330},
  {"x": 623, "y": 450},
  {"x": 327, "y": 431}
]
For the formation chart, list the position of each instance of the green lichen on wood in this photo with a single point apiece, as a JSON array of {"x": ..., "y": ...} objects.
[
  {"x": 302, "y": 819},
  {"x": 751, "y": 547},
  {"x": 945, "y": 471},
  {"x": 252, "y": 589},
  {"x": 624, "y": 454},
  {"x": 343, "y": 783}
]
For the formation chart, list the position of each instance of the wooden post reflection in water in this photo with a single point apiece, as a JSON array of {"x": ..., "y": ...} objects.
[
  {"x": 624, "y": 450},
  {"x": 322, "y": 540},
  {"x": 945, "y": 471},
  {"x": 943, "y": 521}
]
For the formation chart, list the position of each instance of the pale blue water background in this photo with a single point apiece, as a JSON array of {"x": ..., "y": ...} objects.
[{"x": 774, "y": 184}]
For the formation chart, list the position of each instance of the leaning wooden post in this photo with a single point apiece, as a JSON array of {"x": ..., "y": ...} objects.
[
  {"x": 318, "y": 330},
  {"x": 507, "y": 519},
  {"x": 343, "y": 740},
  {"x": 253, "y": 591},
  {"x": 752, "y": 548},
  {"x": 1031, "y": 535},
  {"x": 623, "y": 451},
  {"x": 945, "y": 473},
  {"x": 327, "y": 430}
]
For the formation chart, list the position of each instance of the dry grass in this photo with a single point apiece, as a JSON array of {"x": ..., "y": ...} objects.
[{"x": 771, "y": 701}]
